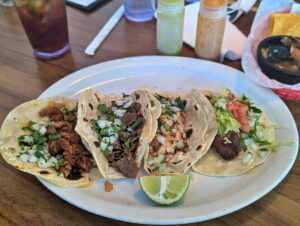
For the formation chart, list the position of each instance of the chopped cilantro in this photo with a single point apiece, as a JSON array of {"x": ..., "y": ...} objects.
[
  {"x": 54, "y": 136},
  {"x": 245, "y": 100},
  {"x": 137, "y": 124},
  {"x": 39, "y": 154},
  {"x": 59, "y": 163},
  {"x": 152, "y": 103},
  {"x": 163, "y": 124},
  {"x": 26, "y": 140},
  {"x": 103, "y": 132},
  {"x": 106, "y": 152},
  {"x": 39, "y": 138},
  {"x": 179, "y": 103},
  {"x": 65, "y": 110},
  {"x": 125, "y": 95},
  {"x": 127, "y": 142},
  {"x": 94, "y": 123},
  {"x": 244, "y": 146},
  {"x": 162, "y": 99},
  {"x": 263, "y": 149},
  {"x": 264, "y": 142},
  {"x": 28, "y": 127},
  {"x": 104, "y": 109}
]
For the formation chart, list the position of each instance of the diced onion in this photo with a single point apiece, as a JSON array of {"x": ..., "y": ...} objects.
[
  {"x": 117, "y": 121},
  {"x": 36, "y": 127},
  {"x": 28, "y": 139},
  {"x": 161, "y": 139},
  {"x": 33, "y": 159},
  {"x": 112, "y": 139},
  {"x": 150, "y": 161},
  {"x": 162, "y": 166},
  {"x": 248, "y": 158},
  {"x": 31, "y": 152},
  {"x": 24, "y": 157},
  {"x": 105, "y": 140},
  {"x": 43, "y": 130},
  {"x": 119, "y": 112},
  {"x": 42, "y": 163},
  {"x": 180, "y": 144},
  {"x": 103, "y": 145},
  {"x": 262, "y": 154},
  {"x": 128, "y": 104},
  {"x": 161, "y": 157},
  {"x": 102, "y": 123},
  {"x": 176, "y": 109},
  {"x": 53, "y": 160},
  {"x": 119, "y": 102}
]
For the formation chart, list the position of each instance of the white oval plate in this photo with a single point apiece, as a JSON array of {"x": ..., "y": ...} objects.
[{"x": 208, "y": 197}]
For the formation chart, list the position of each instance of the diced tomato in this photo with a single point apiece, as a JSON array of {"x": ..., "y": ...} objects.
[
  {"x": 108, "y": 187},
  {"x": 239, "y": 112}
]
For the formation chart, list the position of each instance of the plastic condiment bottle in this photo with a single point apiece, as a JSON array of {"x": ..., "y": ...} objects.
[
  {"x": 170, "y": 16},
  {"x": 210, "y": 29}
]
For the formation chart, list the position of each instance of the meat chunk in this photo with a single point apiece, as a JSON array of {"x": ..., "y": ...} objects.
[
  {"x": 129, "y": 118},
  {"x": 155, "y": 144},
  {"x": 229, "y": 150},
  {"x": 77, "y": 159},
  {"x": 85, "y": 164},
  {"x": 66, "y": 169},
  {"x": 53, "y": 112},
  {"x": 63, "y": 126},
  {"x": 135, "y": 107},
  {"x": 124, "y": 136},
  {"x": 127, "y": 166},
  {"x": 51, "y": 130},
  {"x": 58, "y": 146},
  {"x": 71, "y": 136}
]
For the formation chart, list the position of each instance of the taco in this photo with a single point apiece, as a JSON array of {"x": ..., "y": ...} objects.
[
  {"x": 117, "y": 131},
  {"x": 38, "y": 137},
  {"x": 181, "y": 135},
  {"x": 244, "y": 140}
]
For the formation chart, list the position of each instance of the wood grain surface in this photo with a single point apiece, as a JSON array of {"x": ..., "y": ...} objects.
[{"x": 23, "y": 200}]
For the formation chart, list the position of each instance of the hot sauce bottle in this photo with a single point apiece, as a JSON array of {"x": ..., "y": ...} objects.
[{"x": 210, "y": 29}]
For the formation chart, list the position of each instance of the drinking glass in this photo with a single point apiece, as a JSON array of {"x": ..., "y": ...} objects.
[
  {"x": 45, "y": 23},
  {"x": 139, "y": 10}
]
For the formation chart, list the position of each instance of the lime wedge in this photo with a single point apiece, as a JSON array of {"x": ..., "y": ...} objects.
[{"x": 165, "y": 190}]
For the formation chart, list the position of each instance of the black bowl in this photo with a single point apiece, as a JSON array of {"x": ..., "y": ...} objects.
[{"x": 270, "y": 70}]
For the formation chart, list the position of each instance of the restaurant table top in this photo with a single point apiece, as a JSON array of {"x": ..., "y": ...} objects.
[{"x": 23, "y": 199}]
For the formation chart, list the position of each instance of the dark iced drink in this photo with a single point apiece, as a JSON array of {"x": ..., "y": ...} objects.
[{"x": 45, "y": 23}]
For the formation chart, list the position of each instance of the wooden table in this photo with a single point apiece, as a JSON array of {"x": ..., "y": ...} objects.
[{"x": 23, "y": 200}]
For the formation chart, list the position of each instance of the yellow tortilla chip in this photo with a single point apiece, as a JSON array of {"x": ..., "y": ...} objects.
[{"x": 285, "y": 24}]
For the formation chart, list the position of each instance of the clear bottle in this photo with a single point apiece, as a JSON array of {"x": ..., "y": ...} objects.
[
  {"x": 210, "y": 29},
  {"x": 170, "y": 17}
]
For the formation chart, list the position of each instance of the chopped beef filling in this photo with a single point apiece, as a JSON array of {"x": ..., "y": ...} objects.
[
  {"x": 66, "y": 142},
  {"x": 228, "y": 150},
  {"x": 124, "y": 150}
]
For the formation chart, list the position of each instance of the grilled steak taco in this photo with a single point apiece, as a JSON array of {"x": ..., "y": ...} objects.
[
  {"x": 181, "y": 136},
  {"x": 117, "y": 131},
  {"x": 245, "y": 137},
  {"x": 38, "y": 137}
]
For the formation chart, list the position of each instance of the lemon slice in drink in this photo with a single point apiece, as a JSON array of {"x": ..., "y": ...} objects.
[{"x": 165, "y": 190}]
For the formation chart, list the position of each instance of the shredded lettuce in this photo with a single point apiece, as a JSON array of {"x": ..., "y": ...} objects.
[{"x": 226, "y": 122}]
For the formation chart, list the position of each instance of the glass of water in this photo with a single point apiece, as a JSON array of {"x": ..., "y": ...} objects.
[
  {"x": 139, "y": 10},
  {"x": 6, "y": 3}
]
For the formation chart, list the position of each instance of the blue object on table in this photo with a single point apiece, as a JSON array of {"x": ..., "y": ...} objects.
[
  {"x": 139, "y": 11},
  {"x": 192, "y": 1}
]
